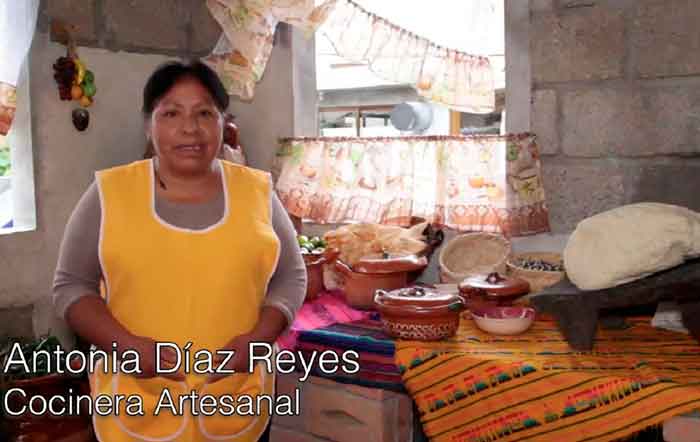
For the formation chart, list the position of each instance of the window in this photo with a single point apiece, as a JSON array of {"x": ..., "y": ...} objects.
[
  {"x": 360, "y": 121},
  {"x": 17, "y": 204},
  {"x": 462, "y": 123},
  {"x": 4, "y": 157},
  {"x": 5, "y": 185},
  {"x": 352, "y": 93}
]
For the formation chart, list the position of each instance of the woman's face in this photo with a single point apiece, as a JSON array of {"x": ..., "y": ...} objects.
[{"x": 186, "y": 128}]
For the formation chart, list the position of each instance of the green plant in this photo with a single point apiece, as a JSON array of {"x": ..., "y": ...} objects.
[{"x": 29, "y": 348}]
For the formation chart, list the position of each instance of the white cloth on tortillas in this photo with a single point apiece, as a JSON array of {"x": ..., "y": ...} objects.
[{"x": 630, "y": 243}]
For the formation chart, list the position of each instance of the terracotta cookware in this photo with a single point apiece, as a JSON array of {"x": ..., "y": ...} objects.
[
  {"x": 493, "y": 289},
  {"x": 419, "y": 313},
  {"x": 367, "y": 276},
  {"x": 314, "y": 274}
]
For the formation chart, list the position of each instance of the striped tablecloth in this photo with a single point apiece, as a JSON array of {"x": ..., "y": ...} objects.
[{"x": 533, "y": 387}]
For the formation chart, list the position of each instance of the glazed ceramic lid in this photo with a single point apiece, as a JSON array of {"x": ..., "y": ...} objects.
[
  {"x": 416, "y": 297},
  {"x": 495, "y": 285},
  {"x": 410, "y": 263}
]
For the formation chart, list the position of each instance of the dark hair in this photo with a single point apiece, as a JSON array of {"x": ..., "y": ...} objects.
[{"x": 166, "y": 75}]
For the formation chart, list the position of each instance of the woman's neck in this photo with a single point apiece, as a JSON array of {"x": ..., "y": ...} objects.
[{"x": 179, "y": 187}]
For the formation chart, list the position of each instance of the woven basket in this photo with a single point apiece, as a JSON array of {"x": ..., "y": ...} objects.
[
  {"x": 538, "y": 279},
  {"x": 473, "y": 254}
]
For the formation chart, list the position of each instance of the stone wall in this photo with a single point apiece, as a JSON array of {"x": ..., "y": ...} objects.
[{"x": 616, "y": 103}]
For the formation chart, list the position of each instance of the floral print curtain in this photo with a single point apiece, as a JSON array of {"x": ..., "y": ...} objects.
[
  {"x": 17, "y": 24},
  {"x": 8, "y": 105},
  {"x": 455, "y": 79},
  {"x": 476, "y": 183},
  {"x": 458, "y": 80},
  {"x": 249, "y": 26}
]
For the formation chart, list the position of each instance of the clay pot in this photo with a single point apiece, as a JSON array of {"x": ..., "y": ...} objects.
[
  {"x": 419, "y": 313},
  {"x": 314, "y": 274},
  {"x": 367, "y": 276},
  {"x": 492, "y": 290},
  {"x": 48, "y": 427}
]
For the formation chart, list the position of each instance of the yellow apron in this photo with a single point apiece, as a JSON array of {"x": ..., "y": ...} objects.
[{"x": 179, "y": 285}]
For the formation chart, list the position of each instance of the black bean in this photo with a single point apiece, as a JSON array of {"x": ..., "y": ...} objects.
[{"x": 538, "y": 265}]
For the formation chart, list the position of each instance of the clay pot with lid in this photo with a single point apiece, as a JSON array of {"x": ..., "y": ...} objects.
[
  {"x": 494, "y": 289},
  {"x": 367, "y": 276},
  {"x": 419, "y": 313}
]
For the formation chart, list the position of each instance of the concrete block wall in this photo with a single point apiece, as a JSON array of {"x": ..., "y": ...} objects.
[
  {"x": 182, "y": 28},
  {"x": 616, "y": 103},
  {"x": 122, "y": 41}
]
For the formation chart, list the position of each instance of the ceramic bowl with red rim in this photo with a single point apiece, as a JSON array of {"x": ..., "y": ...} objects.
[{"x": 504, "y": 320}]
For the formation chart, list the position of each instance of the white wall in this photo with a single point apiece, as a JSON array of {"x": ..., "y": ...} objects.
[
  {"x": 284, "y": 104},
  {"x": 65, "y": 161}
]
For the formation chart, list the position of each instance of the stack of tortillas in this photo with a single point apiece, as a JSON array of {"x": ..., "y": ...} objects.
[{"x": 630, "y": 243}]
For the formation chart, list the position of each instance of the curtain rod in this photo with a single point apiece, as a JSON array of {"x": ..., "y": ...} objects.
[{"x": 519, "y": 136}]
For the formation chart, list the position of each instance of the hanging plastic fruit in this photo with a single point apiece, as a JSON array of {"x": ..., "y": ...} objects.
[
  {"x": 80, "y": 70},
  {"x": 81, "y": 119},
  {"x": 84, "y": 80},
  {"x": 75, "y": 81},
  {"x": 76, "y": 92},
  {"x": 89, "y": 89},
  {"x": 64, "y": 73}
]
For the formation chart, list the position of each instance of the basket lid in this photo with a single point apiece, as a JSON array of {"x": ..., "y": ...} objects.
[{"x": 496, "y": 285}]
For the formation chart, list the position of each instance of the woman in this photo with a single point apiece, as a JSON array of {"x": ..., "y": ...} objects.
[
  {"x": 230, "y": 150},
  {"x": 188, "y": 248}
]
